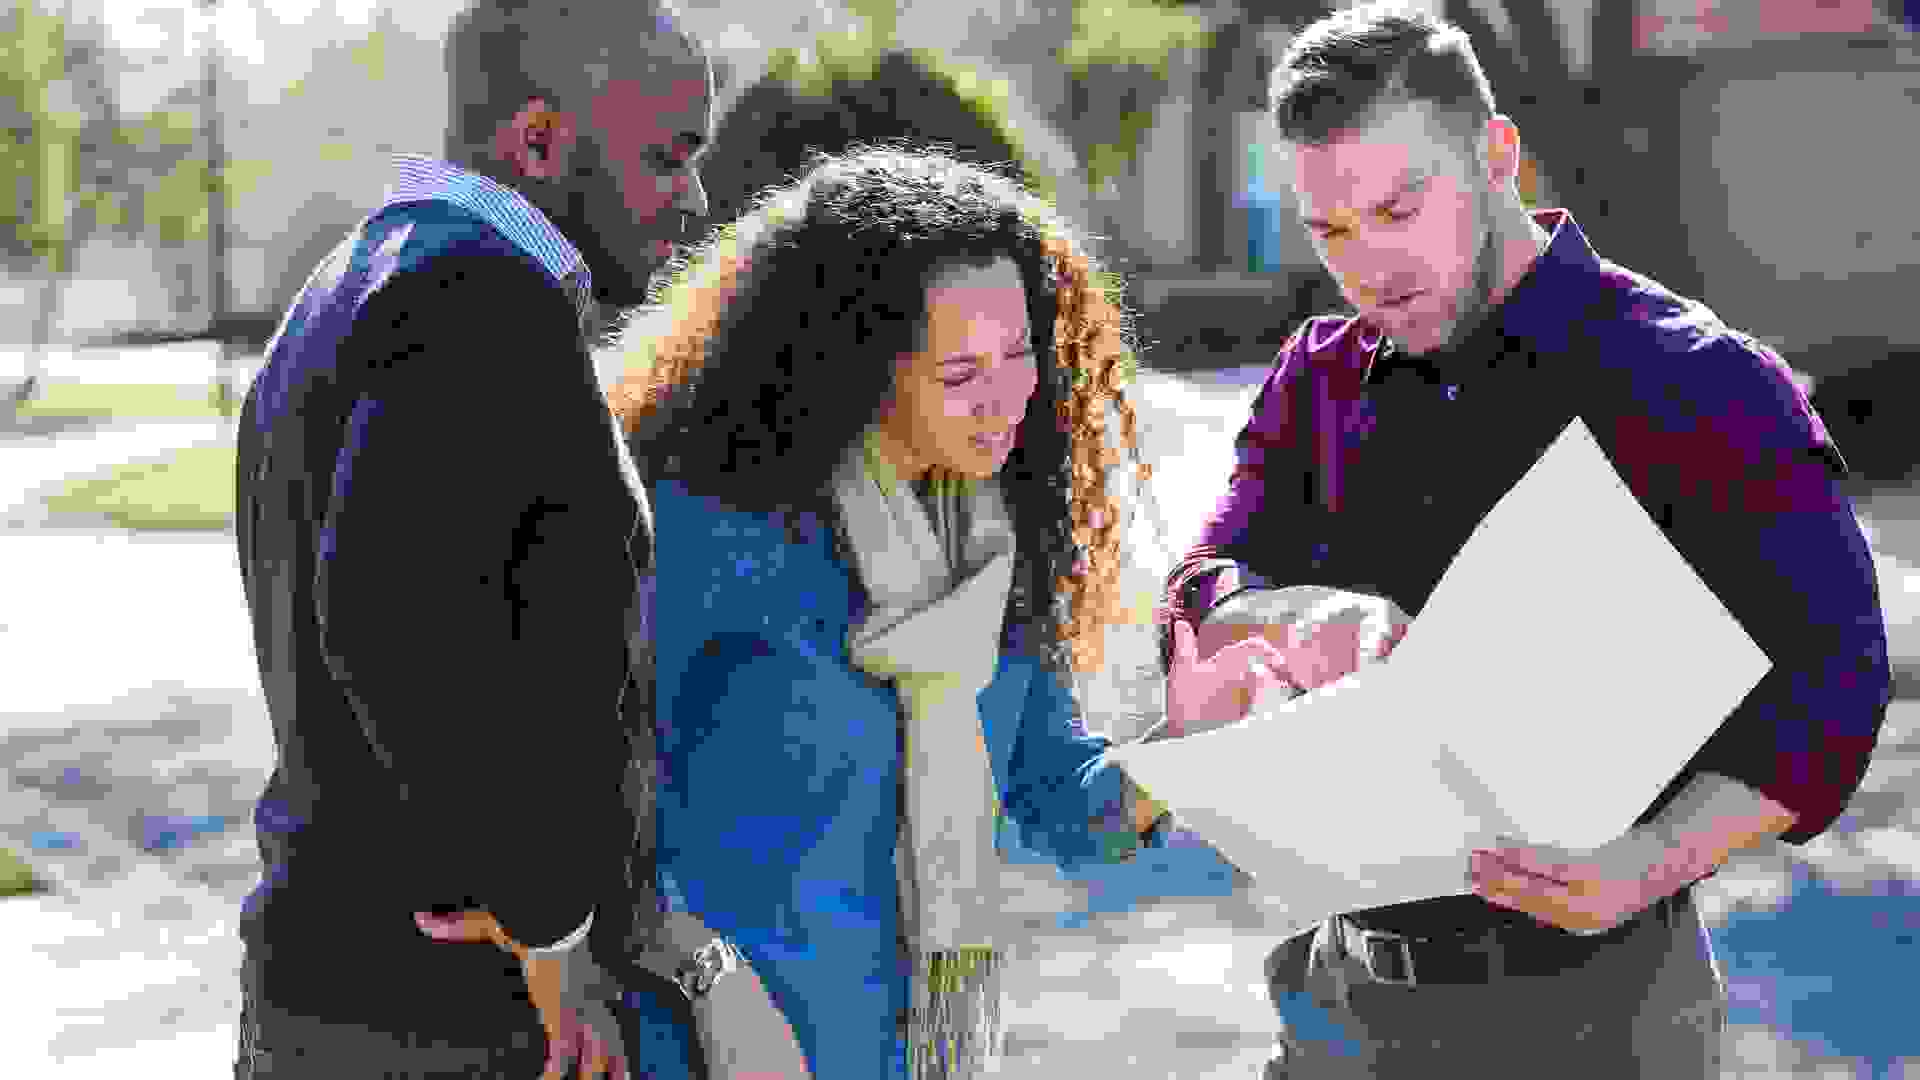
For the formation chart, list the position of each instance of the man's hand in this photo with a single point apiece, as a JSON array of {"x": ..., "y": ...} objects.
[
  {"x": 1591, "y": 891},
  {"x": 1210, "y": 693},
  {"x": 569, "y": 991}
]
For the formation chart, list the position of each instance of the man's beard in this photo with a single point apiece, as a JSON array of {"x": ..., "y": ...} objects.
[
  {"x": 1474, "y": 302},
  {"x": 620, "y": 279}
]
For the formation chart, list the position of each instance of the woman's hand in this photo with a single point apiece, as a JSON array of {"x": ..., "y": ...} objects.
[
  {"x": 1336, "y": 636},
  {"x": 1210, "y": 693}
]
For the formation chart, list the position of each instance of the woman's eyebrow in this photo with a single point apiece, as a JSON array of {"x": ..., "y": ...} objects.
[{"x": 1013, "y": 348}]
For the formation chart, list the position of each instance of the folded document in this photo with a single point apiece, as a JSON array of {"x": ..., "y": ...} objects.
[{"x": 1565, "y": 668}]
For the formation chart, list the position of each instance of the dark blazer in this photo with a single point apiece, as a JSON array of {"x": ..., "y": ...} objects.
[{"x": 437, "y": 529}]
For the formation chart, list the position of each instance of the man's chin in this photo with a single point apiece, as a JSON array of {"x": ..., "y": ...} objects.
[{"x": 1416, "y": 341}]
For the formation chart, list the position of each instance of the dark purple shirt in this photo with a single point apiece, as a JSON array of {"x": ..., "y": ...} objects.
[{"x": 1365, "y": 469}]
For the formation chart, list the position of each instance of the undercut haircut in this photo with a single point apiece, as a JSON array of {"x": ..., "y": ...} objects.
[{"x": 1339, "y": 72}]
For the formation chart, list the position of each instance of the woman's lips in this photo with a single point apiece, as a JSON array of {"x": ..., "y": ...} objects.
[{"x": 994, "y": 444}]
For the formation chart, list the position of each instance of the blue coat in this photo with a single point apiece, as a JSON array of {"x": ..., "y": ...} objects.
[{"x": 779, "y": 769}]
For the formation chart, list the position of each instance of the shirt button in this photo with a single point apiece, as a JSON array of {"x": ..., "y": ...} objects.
[{"x": 1452, "y": 391}]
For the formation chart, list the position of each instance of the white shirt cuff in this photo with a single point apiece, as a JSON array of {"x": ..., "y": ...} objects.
[{"x": 566, "y": 943}]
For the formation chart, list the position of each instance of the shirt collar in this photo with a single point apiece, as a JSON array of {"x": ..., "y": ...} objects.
[
  {"x": 420, "y": 178},
  {"x": 1540, "y": 313}
]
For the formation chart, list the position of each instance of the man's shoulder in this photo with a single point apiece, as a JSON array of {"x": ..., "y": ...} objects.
[
  {"x": 1681, "y": 361},
  {"x": 1681, "y": 343},
  {"x": 440, "y": 238}
]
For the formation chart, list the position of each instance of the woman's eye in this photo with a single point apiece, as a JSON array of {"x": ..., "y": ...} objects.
[{"x": 1397, "y": 215}]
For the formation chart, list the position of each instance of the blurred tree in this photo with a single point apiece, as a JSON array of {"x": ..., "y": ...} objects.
[
  {"x": 1117, "y": 61},
  {"x": 48, "y": 122},
  {"x": 78, "y": 165}
]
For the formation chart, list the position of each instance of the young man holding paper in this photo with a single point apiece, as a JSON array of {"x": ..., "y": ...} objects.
[{"x": 1375, "y": 448}]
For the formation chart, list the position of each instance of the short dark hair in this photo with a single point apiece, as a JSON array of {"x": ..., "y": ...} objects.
[
  {"x": 1339, "y": 70},
  {"x": 488, "y": 54}
]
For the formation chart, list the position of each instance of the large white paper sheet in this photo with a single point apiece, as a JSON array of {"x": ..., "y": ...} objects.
[{"x": 1565, "y": 668}]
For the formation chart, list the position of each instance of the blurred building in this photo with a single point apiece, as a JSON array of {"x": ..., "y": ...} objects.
[{"x": 1756, "y": 154}]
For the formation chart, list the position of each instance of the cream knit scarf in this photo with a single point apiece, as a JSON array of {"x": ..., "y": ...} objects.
[{"x": 938, "y": 589}]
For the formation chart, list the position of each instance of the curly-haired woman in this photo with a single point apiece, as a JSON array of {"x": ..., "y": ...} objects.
[{"x": 872, "y": 417}]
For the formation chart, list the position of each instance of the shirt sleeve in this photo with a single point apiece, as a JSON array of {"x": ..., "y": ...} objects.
[
  {"x": 1729, "y": 457},
  {"x": 473, "y": 588},
  {"x": 1272, "y": 469}
]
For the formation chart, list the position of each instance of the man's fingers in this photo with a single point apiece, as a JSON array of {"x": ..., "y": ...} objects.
[
  {"x": 454, "y": 926},
  {"x": 593, "y": 1057},
  {"x": 559, "y": 1056},
  {"x": 1548, "y": 863},
  {"x": 1185, "y": 652}
]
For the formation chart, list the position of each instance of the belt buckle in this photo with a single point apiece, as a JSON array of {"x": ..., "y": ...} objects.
[
  {"x": 704, "y": 967},
  {"x": 1369, "y": 938}
]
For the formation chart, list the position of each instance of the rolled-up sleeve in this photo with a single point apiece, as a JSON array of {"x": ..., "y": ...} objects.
[
  {"x": 1271, "y": 463},
  {"x": 1729, "y": 457}
]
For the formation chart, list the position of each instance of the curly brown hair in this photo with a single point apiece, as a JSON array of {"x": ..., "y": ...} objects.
[{"x": 719, "y": 383}]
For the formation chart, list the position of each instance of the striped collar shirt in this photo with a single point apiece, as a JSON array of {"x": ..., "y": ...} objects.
[{"x": 420, "y": 178}]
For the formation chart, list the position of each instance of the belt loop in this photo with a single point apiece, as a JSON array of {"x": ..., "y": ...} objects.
[
  {"x": 1329, "y": 953},
  {"x": 1495, "y": 951}
]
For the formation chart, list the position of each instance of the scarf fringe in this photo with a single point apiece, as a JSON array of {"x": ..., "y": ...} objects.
[{"x": 956, "y": 1030}]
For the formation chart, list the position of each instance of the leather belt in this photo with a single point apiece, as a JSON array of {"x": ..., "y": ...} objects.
[{"x": 1479, "y": 956}]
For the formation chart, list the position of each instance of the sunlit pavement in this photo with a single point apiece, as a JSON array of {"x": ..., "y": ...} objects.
[{"x": 132, "y": 730}]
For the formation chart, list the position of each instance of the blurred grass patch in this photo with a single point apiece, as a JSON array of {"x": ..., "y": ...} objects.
[
  {"x": 16, "y": 877},
  {"x": 121, "y": 402},
  {"x": 191, "y": 489}
]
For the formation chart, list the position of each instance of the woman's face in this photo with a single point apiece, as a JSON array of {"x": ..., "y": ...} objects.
[{"x": 957, "y": 403}]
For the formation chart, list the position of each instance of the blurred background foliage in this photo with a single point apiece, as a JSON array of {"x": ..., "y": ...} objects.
[
  {"x": 77, "y": 162},
  {"x": 1118, "y": 62},
  {"x": 864, "y": 84},
  {"x": 857, "y": 87}
]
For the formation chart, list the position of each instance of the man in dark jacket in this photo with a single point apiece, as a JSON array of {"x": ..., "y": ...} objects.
[
  {"x": 1376, "y": 447},
  {"x": 438, "y": 532}
]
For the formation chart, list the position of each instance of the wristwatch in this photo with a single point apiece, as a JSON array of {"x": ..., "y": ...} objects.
[{"x": 704, "y": 967}]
